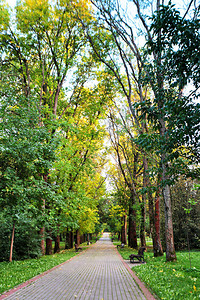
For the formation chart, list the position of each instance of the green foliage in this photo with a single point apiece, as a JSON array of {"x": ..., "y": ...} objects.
[
  {"x": 26, "y": 155},
  {"x": 186, "y": 214},
  {"x": 179, "y": 42},
  {"x": 173, "y": 117}
]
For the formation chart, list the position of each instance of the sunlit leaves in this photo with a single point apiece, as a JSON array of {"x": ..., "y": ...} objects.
[{"x": 4, "y": 15}]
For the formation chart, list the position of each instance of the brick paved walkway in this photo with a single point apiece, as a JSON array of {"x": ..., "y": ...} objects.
[{"x": 96, "y": 274}]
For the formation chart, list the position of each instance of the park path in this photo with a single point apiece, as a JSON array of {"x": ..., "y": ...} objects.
[{"x": 96, "y": 274}]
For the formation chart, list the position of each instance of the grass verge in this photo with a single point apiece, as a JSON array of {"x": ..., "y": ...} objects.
[
  {"x": 170, "y": 280},
  {"x": 17, "y": 272}
]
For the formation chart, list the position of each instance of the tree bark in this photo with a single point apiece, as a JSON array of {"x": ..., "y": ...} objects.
[
  {"x": 71, "y": 239},
  {"x": 132, "y": 234},
  {"x": 57, "y": 243},
  {"x": 169, "y": 235},
  {"x": 154, "y": 212},
  {"x": 124, "y": 230},
  {"x": 142, "y": 223},
  {"x": 49, "y": 249},
  {"x": 158, "y": 251},
  {"x": 147, "y": 184},
  {"x": 78, "y": 237},
  {"x": 42, "y": 244},
  {"x": 42, "y": 230},
  {"x": 12, "y": 242},
  {"x": 67, "y": 240}
]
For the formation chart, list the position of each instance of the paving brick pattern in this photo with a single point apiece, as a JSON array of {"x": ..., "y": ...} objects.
[{"x": 95, "y": 274}]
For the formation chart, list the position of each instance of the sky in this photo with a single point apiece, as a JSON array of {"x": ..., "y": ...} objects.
[
  {"x": 180, "y": 3},
  {"x": 11, "y": 2}
]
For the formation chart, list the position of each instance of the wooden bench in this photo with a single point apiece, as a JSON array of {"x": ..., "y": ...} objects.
[
  {"x": 77, "y": 248},
  {"x": 139, "y": 257},
  {"x": 121, "y": 246}
]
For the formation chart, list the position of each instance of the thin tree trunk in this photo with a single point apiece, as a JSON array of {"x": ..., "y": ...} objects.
[
  {"x": 158, "y": 246},
  {"x": 49, "y": 249},
  {"x": 42, "y": 230},
  {"x": 132, "y": 235},
  {"x": 57, "y": 244},
  {"x": 78, "y": 237},
  {"x": 169, "y": 235},
  {"x": 124, "y": 230},
  {"x": 151, "y": 202},
  {"x": 67, "y": 240},
  {"x": 154, "y": 214},
  {"x": 119, "y": 234},
  {"x": 12, "y": 242},
  {"x": 142, "y": 223},
  {"x": 42, "y": 244},
  {"x": 71, "y": 239}
]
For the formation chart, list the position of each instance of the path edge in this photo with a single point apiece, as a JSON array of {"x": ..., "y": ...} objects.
[
  {"x": 144, "y": 289},
  {"x": 33, "y": 279}
]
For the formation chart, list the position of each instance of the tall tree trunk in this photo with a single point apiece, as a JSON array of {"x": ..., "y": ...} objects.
[
  {"x": 12, "y": 242},
  {"x": 147, "y": 184},
  {"x": 71, "y": 239},
  {"x": 152, "y": 220},
  {"x": 42, "y": 243},
  {"x": 169, "y": 235},
  {"x": 42, "y": 230},
  {"x": 124, "y": 230},
  {"x": 119, "y": 234},
  {"x": 142, "y": 223},
  {"x": 67, "y": 240},
  {"x": 57, "y": 242},
  {"x": 78, "y": 237},
  {"x": 132, "y": 234},
  {"x": 49, "y": 249},
  {"x": 82, "y": 239},
  {"x": 158, "y": 246},
  {"x": 154, "y": 213}
]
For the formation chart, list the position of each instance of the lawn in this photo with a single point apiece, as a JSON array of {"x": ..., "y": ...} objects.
[
  {"x": 12, "y": 274},
  {"x": 172, "y": 280}
]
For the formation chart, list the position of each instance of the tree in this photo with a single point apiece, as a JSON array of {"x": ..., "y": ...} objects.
[{"x": 25, "y": 154}]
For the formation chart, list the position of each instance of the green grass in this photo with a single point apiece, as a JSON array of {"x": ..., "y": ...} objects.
[
  {"x": 170, "y": 280},
  {"x": 12, "y": 274}
]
